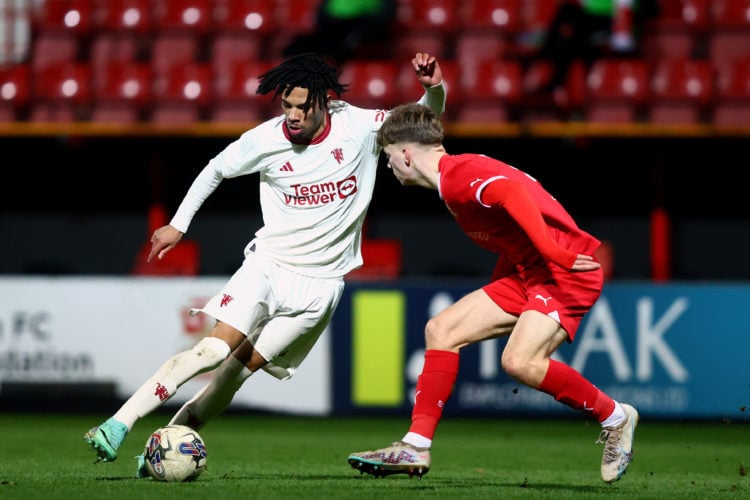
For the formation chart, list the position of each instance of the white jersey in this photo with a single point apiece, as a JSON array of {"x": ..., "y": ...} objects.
[{"x": 314, "y": 197}]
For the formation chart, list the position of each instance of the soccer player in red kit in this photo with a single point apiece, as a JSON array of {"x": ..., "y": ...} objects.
[{"x": 545, "y": 280}]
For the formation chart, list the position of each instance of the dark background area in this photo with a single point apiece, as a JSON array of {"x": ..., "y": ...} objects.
[{"x": 78, "y": 205}]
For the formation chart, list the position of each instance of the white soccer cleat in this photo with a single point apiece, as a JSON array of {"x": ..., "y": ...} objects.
[
  {"x": 618, "y": 446},
  {"x": 398, "y": 458}
]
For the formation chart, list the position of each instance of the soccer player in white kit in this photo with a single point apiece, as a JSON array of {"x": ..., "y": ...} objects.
[{"x": 317, "y": 164}]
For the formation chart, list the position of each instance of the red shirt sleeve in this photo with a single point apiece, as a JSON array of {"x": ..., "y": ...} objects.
[{"x": 515, "y": 200}]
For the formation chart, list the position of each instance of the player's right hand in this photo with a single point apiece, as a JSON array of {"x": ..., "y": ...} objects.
[{"x": 163, "y": 240}]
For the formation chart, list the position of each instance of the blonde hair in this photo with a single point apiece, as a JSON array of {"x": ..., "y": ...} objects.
[{"x": 411, "y": 123}]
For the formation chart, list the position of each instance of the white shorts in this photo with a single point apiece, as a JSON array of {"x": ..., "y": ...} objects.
[{"x": 281, "y": 312}]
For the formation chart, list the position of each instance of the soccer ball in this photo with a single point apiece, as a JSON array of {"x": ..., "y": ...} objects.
[{"x": 175, "y": 453}]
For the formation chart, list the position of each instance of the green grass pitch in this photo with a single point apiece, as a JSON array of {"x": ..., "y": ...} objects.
[{"x": 287, "y": 457}]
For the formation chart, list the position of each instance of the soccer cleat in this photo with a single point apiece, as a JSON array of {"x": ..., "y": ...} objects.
[
  {"x": 106, "y": 439},
  {"x": 398, "y": 458},
  {"x": 141, "y": 472},
  {"x": 618, "y": 446}
]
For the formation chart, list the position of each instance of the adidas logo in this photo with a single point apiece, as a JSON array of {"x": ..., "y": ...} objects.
[{"x": 287, "y": 167}]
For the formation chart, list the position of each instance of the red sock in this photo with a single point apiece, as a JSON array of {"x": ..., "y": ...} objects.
[
  {"x": 434, "y": 387},
  {"x": 570, "y": 388}
]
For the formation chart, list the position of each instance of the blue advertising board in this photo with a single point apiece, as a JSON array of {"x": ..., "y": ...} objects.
[{"x": 673, "y": 351}]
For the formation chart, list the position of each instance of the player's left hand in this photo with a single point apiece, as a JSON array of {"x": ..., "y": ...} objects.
[{"x": 427, "y": 69}]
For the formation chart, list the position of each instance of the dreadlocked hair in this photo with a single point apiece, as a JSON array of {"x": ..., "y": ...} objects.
[{"x": 310, "y": 71}]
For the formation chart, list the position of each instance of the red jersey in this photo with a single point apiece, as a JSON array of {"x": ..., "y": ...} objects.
[{"x": 508, "y": 212}]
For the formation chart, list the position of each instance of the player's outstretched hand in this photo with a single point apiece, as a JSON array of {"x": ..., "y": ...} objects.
[
  {"x": 427, "y": 69},
  {"x": 163, "y": 240},
  {"x": 585, "y": 263}
]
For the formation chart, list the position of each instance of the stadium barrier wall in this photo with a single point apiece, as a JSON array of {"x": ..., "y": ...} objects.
[{"x": 674, "y": 350}]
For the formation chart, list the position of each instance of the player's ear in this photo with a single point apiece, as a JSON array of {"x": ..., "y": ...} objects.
[{"x": 407, "y": 156}]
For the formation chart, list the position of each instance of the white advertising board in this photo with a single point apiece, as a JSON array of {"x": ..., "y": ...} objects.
[{"x": 120, "y": 330}]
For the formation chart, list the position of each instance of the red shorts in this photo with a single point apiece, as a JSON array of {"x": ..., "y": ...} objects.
[{"x": 563, "y": 295}]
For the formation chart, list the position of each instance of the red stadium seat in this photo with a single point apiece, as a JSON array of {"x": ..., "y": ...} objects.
[
  {"x": 53, "y": 49},
  {"x": 14, "y": 91},
  {"x": 61, "y": 92},
  {"x": 681, "y": 91},
  {"x": 173, "y": 49},
  {"x": 235, "y": 97},
  {"x": 194, "y": 16},
  {"x": 617, "y": 90},
  {"x": 181, "y": 94},
  {"x": 473, "y": 47},
  {"x": 692, "y": 15},
  {"x": 115, "y": 16},
  {"x": 294, "y": 17},
  {"x": 727, "y": 46},
  {"x": 372, "y": 84},
  {"x": 56, "y": 16},
  {"x": 428, "y": 15},
  {"x": 229, "y": 48},
  {"x": 501, "y": 16},
  {"x": 730, "y": 14},
  {"x": 536, "y": 15},
  {"x": 107, "y": 48},
  {"x": 254, "y": 16},
  {"x": 123, "y": 94},
  {"x": 666, "y": 44},
  {"x": 490, "y": 92},
  {"x": 408, "y": 43},
  {"x": 732, "y": 106}
]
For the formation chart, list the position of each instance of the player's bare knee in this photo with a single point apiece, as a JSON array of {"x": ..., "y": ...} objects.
[
  {"x": 212, "y": 351},
  {"x": 435, "y": 335},
  {"x": 514, "y": 365}
]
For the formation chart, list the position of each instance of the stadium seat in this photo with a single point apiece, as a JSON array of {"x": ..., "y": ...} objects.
[
  {"x": 229, "y": 48},
  {"x": 730, "y": 14},
  {"x": 235, "y": 98},
  {"x": 372, "y": 84},
  {"x": 295, "y": 17},
  {"x": 61, "y": 92},
  {"x": 428, "y": 15},
  {"x": 14, "y": 91},
  {"x": 666, "y": 44},
  {"x": 61, "y": 16},
  {"x": 255, "y": 16},
  {"x": 727, "y": 46},
  {"x": 181, "y": 93},
  {"x": 681, "y": 91},
  {"x": 616, "y": 90},
  {"x": 564, "y": 103},
  {"x": 51, "y": 49},
  {"x": 408, "y": 43},
  {"x": 123, "y": 94},
  {"x": 732, "y": 106},
  {"x": 109, "y": 47},
  {"x": 692, "y": 15},
  {"x": 130, "y": 16},
  {"x": 474, "y": 47},
  {"x": 500, "y": 16},
  {"x": 173, "y": 49},
  {"x": 193, "y": 16},
  {"x": 490, "y": 92}
]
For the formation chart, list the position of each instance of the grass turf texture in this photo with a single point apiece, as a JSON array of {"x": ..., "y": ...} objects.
[{"x": 270, "y": 456}]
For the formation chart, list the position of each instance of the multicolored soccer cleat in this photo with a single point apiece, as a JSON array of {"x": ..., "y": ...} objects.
[{"x": 398, "y": 458}]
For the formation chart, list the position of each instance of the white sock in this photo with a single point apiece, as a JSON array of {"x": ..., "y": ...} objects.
[
  {"x": 417, "y": 440},
  {"x": 206, "y": 355},
  {"x": 215, "y": 396},
  {"x": 616, "y": 418}
]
